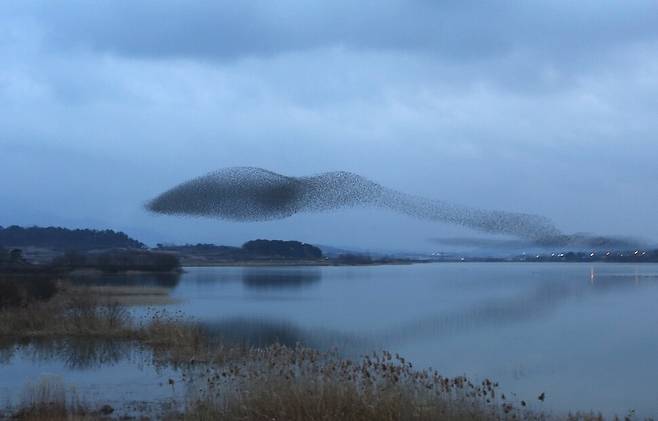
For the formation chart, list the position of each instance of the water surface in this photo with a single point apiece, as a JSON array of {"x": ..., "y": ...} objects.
[{"x": 585, "y": 334}]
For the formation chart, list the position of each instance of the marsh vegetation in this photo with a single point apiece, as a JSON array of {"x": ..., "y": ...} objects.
[{"x": 225, "y": 381}]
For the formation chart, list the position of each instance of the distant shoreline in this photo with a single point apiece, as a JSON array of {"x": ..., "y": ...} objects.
[
  {"x": 401, "y": 263},
  {"x": 275, "y": 263}
]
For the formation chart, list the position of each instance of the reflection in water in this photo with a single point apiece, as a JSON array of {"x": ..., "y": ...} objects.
[
  {"x": 256, "y": 332},
  {"x": 261, "y": 332},
  {"x": 536, "y": 303},
  {"x": 266, "y": 278},
  {"x": 488, "y": 319},
  {"x": 100, "y": 372},
  {"x": 74, "y": 353}
]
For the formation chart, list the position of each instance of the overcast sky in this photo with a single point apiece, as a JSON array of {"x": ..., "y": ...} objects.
[{"x": 546, "y": 107}]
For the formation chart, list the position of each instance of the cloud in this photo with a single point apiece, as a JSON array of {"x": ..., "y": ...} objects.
[
  {"x": 535, "y": 107},
  {"x": 226, "y": 29},
  {"x": 580, "y": 241}
]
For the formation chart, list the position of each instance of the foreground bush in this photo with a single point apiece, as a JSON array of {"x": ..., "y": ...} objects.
[
  {"x": 118, "y": 260},
  {"x": 16, "y": 291}
]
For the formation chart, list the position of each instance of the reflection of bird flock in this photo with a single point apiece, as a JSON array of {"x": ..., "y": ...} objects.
[{"x": 255, "y": 194}]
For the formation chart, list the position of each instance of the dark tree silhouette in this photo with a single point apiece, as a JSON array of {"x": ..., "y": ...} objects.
[
  {"x": 65, "y": 239},
  {"x": 282, "y": 249}
]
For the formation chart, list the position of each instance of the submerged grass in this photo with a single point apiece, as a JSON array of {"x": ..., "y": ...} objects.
[
  {"x": 83, "y": 314},
  {"x": 50, "y": 399},
  {"x": 66, "y": 315}
]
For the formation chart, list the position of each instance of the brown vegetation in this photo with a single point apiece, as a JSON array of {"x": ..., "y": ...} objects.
[
  {"x": 83, "y": 313},
  {"x": 18, "y": 290}
]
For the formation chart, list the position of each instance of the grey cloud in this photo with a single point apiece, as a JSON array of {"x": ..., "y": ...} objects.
[
  {"x": 542, "y": 107},
  {"x": 579, "y": 241},
  {"x": 453, "y": 29}
]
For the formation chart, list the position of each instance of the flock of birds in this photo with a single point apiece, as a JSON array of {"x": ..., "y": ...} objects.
[{"x": 254, "y": 194}]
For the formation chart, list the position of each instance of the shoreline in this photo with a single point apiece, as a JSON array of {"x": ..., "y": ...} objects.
[
  {"x": 409, "y": 263},
  {"x": 276, "y": 263}
]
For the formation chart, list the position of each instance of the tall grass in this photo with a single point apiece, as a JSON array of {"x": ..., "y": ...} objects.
[
  {"x": 81, "y": 314},
  {"x": 49, "y": 399},
  {"x": 300, "y": 384},
  {"x": 69, "y": 315},
  {"x": 16, "y": 290}
]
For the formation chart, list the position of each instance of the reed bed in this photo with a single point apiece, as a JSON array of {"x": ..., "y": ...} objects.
[
  {"x": 301, "y": 384},
  {"x": 67, "y": 315},
  {"x": 83, "y": 314}
]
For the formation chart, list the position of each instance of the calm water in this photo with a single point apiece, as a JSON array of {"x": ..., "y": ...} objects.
[
  {"x": 96, "y": 372},
  {"x": 585, "y": 334}
]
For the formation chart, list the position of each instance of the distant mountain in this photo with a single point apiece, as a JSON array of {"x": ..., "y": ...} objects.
[{"x": 65, "y": 239}]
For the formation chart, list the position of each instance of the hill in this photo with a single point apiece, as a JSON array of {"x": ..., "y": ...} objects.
[
  {"x": 255, "y": 250},
  {"x": 58, "y": 238}
]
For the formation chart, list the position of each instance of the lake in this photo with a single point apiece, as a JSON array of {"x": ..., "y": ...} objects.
[{"x": 585, "y": 334}]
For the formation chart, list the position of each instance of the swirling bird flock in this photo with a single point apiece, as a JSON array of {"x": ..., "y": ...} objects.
[{"x": 254, "y": 194}]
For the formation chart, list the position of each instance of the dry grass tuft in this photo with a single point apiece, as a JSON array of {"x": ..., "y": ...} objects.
[
  {"x": 67, "y": 315},
  {"x": 131, "y": 295},
  {"x": 49, "y": 399},
  {"x": 81, "y": 313}
]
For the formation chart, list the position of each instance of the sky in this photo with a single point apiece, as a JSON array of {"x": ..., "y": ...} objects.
[{"x": 543, "y": 107}]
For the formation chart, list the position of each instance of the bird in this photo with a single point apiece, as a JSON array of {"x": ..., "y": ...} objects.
[{"x": 542, "y": 396}]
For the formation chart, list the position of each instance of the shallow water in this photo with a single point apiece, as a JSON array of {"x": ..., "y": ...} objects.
[
  {"x": 120, "y": 374},
  {"x": 585, "y": 334}
]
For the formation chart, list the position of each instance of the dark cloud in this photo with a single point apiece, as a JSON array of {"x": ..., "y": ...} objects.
[
  {"x": 453, "y": 29},
  {"x": 542, "y": 107}
]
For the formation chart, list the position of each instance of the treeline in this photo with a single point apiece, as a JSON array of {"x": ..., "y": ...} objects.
[
  {"x": 65, "y": 239},
  {"x": 278, "y": 248},
  {"x": 118, "y": 261},
  {"x": 11, "y": 258},
  {"x": 251, "y": 250}
]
